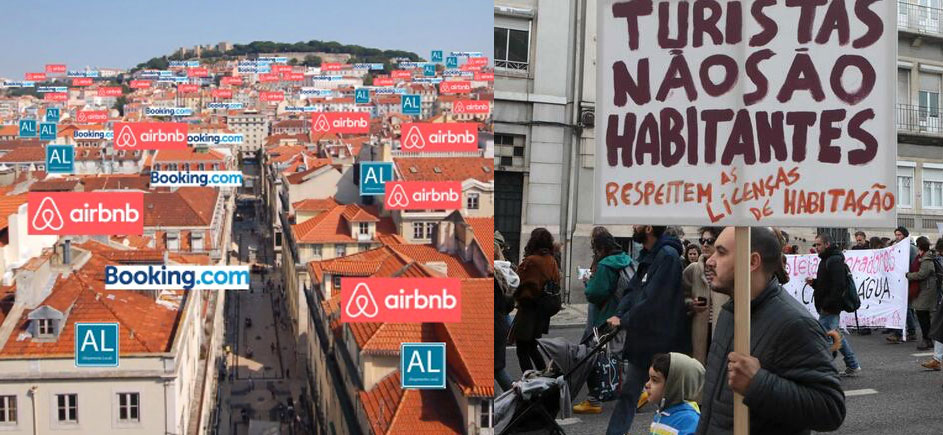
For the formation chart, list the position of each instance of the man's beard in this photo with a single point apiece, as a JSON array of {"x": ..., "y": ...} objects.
[{"x": 709, "y": 274}]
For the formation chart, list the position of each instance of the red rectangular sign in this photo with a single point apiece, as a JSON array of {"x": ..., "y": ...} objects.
[
  {"x": 423, "y": 195},
  {"x": 434, "y": 137},
  {"x": 91, "y": 116},
  {"x": 268, "y": 78},
  {"x": 114, "y": 91},
  {"x": 36, "y": 77},
  {"x": 197, "y": 72},
  {"x": 293, "y": 77},
  {"x": 140, "y": 84},
  {"x": 271, "y": 96},
  {"x": 55, "y": 96},
  {"x": 329, "y": 66},
  {"x": 187, "y": 88},
  {"x": 55, "y": 68},
  {"x": 467, "y": 67},
  {"x": 150, "y": 135},
  {"x": 401, "y": 74},
  {"x": 340, "y": 122},
  {"x": 231, "y": 80},
  {"x": 401, "y": 300},
  {"x": 222, "y": 93},
  {"x": 82, "y": 81},
  {"x": 85, "y": 213},
  {"x": 484, "y": 76},
  {"x": 382, "y": 81},
  {"x": 477, "y": 61},
  {"x": 281, "y": 69},
  {"x": 471, "y": 106},
  {"x": 455, "y": 87}
]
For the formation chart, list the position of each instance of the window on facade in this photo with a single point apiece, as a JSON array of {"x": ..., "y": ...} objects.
[
  {"x": 511, "y": 48},
  {"x": 67, "y": 406},
  {"x": 336, "y": 281},
  {"x": 932, "y": 188},
  {"x": 129, "y": 407},
  {"x": 471, "y": 201},
  {"x": 173, "y": 242},
  {"x": 196, "y": 242},
  {"x": 485, "y": 420},
  {"x": 364, "y": 228},
  {"x": 905, "y": 190},
  {"x": 509, "y": 150},
  {"x": 418, "y": 230},
  {"x": 429, "y": 227},
  {"x": 46, "y": 327},
  {"x": 340, "y": 250},
  {"x": 7, "y": 409}
]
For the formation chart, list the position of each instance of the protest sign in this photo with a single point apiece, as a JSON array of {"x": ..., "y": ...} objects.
[
  {"x": 879, "y": 276},
  {"x": 746, "y": 113}
]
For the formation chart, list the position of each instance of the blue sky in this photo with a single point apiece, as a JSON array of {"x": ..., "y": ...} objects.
[{"x": 123, "y": 33}]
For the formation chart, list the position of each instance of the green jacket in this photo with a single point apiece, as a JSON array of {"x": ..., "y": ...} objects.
[{"x": 602, "y": 285}]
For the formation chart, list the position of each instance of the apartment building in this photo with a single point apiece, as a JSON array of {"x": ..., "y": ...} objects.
[{"x": 254, "y": 127}]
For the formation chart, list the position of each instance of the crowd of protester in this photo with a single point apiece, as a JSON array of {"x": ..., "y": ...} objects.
[{"x": 675, "y": 317}]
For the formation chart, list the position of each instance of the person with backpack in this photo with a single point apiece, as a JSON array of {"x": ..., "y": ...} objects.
[
  {"x": 926, "y": 301},
  {"x": 830, "y": 285},
  {"x": 603, "y": 292},
  {"x": 538, "y": 273}
]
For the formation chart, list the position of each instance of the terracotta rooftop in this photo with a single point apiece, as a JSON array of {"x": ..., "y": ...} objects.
[
  {"x": 185, "y": 207},
  {"x": 25, "y": 154},
  {"x": 483, "y": 228},
  {"x": 469, "y": 343},
  {"x": 115, "y": 182},
  {"x": 428, "y": 253},
  {"x": 10, "y": 205},
  {"x": 393, "y": 411},
  {"x": 54, "y": 185},
  {"x": 445, "y": 168},
  {"x": 188, "y": 155},
  {"x": 331, "y": 226},
  {"x": 315, "y": 204}
]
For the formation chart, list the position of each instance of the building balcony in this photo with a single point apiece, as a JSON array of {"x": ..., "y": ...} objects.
[
  {"x": 919, "y": 121},
  {"x": 364, "y": 237},
  {"x": 920, "y": 19}
]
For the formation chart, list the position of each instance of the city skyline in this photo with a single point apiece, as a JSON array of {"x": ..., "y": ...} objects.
[{"x": 381, "y": 26}]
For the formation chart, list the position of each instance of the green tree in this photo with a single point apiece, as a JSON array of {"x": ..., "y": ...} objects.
[
  {"x": 312, "y": 60},
  {"x": 119, "y": 104}
]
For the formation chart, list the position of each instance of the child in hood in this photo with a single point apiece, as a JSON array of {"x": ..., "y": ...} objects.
[{"x": 674, "y": 385}]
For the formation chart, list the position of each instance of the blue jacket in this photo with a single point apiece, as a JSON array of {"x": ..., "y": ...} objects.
[
  {"x": 652, "y": 311},
  {"x": 680, "y": 419}
]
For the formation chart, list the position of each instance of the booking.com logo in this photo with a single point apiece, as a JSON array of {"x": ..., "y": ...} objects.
[
  {"x": 159, "y": 277},
  {"x": 401, "y": 300},
  {"x": 214, "y": 138},
  {"x": 196, "y": 178}
]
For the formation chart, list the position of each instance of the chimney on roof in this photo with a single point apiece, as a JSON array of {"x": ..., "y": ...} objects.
[{"x": 67, "y": 252}]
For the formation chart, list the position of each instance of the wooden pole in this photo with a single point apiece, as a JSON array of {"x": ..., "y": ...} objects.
[{"x": 741, "y": 336}]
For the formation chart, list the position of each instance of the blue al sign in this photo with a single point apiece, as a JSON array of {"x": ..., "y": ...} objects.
[
  {"x": 60, "y": 159},
  {"x": 412, "y": 105},
  {"x": 47, "y": 131},
  {"x": 422, "y": 365},
  {"x": 27, "y": 128},
  {"x": 428, "y": 70},
  {"x": 361, "y": 96},
  {"x": 96, "y": 344},
  {"x": 436, "y": 55},
  {"x": 373, "y": 177},
  {"x": 52, "y": 114},
  {"x": 451, "y": 62}
]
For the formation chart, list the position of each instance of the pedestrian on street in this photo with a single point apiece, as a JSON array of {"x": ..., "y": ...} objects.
[
  {"x": 926, "y": 279},
  {"x": 674, "y": 386},
  {"x": 537, "y": 268},
  {"x": 603, "y": 295},
  {"x": 936, "y": 319},
  {"x": 653, "y": 314},
  {"x": 829, "y": 286},
  {"x": 901, "y": 233},
  {"x": 703, "y": 303},
  {"x": 790, "y": 386}
]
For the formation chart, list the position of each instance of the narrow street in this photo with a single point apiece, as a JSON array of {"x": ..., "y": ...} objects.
[{"x": 263, "y": 383}]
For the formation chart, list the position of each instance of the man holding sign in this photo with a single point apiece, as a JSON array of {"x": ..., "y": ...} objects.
[{"x": 789, "y": 384}]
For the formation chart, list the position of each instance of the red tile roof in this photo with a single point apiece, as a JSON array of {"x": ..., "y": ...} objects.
[
  {"x": 428, "y": 253},
  {"x": 331, "y": 226},
  {"x": 483, "y": 228},
  {"x": 445, "y": 168},
  {"x": 469, "y": 343},
  {"x": 8, "y": 206},
  {"x": 54, "y": 185},
  {"x": 115, "y": 182},
  {"x": 315, "y": 204},
  {"x": 185, "y": 207},
  {"x": 25, "y": 154},
  {"x": 394, "y": 411},
  {"x": 188, "y": 155}
]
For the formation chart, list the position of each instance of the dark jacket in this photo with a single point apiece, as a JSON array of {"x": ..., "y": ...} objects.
[
  {"x": 829, "y": 282},
  {"x": 534, "y": 271},
  {"x": 652, "y": 311},
  {"x": 796, "y": 389},
  {"x": 925, "y": 276},
  {"x": 500, "y": 327},
  {"x": 601, "y": 287}
]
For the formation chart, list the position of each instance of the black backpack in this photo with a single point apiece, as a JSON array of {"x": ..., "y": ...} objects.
[
  {"x": 849, "y": 301},
  {"x": 550, "y": 301}
]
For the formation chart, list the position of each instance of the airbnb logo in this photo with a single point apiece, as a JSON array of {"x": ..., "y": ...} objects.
[
  {"x": 341, "y": 122},
  {"x": 471, "y": 106},
  {"x": 150, "y": 135},
  {"x": 423, "y": 195},
  {"x": 430, "y": 137},
  {"x": 455, "y": 87},
  {"x": 140, "y": 84},
  {"x": 85, "y": 213},
  {"x": 91, "y": 116},
  {"x": 401, "y": 300},
  {"x": 109, "y": 92},
  {"x": 271, "y": 96}
]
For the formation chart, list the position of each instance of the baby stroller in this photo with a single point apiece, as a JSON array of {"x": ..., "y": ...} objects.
[{"x": 535, "y": 400}]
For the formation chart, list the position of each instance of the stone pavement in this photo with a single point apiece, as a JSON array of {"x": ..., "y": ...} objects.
[{"x": 571, "y": 316}]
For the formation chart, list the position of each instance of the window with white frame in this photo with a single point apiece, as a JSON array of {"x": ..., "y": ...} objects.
[
  {"x": 932, "y": 187},
  {"x": 429, "y": 227},
  {"x": 418, "y": 230},
  {"x": 340, "y": 250},
  {"x": 173, "y": 242},
  {"x": 46, "y": 327},
  {"x": 486, "y": 419},
  {"x": 364, "y": 228},
  {"x": 336, "y": 281},
  {"x": 7, "y": 410},
  {"x": 316, "y": 250},
  {"x": 67, "y": 406},
  {"x": 511, "y": 44},
  {"x": 129, "y": 407},
  {"x": 471, "y": 201},
  {"x": 905, "y": 189}
]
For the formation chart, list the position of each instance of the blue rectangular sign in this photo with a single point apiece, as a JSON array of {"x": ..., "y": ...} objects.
[
  {"x": 411, "y": 104},
  {"x": 361, "y": 96},
  {"x": 60, "y": 159},
  {"x": 373, "y": 177},
  {"x": 27, "y": 128},
  {"x": 451, "y": 62},
  {"x": 47, "y": 131},
  {"x": 52, "y": 114},
  {"x": 436, "y": 56},
  {"x": 96, "y": 344},
  {"x": 428, "y": 70},
  {"x": 422, "y": 365}
]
